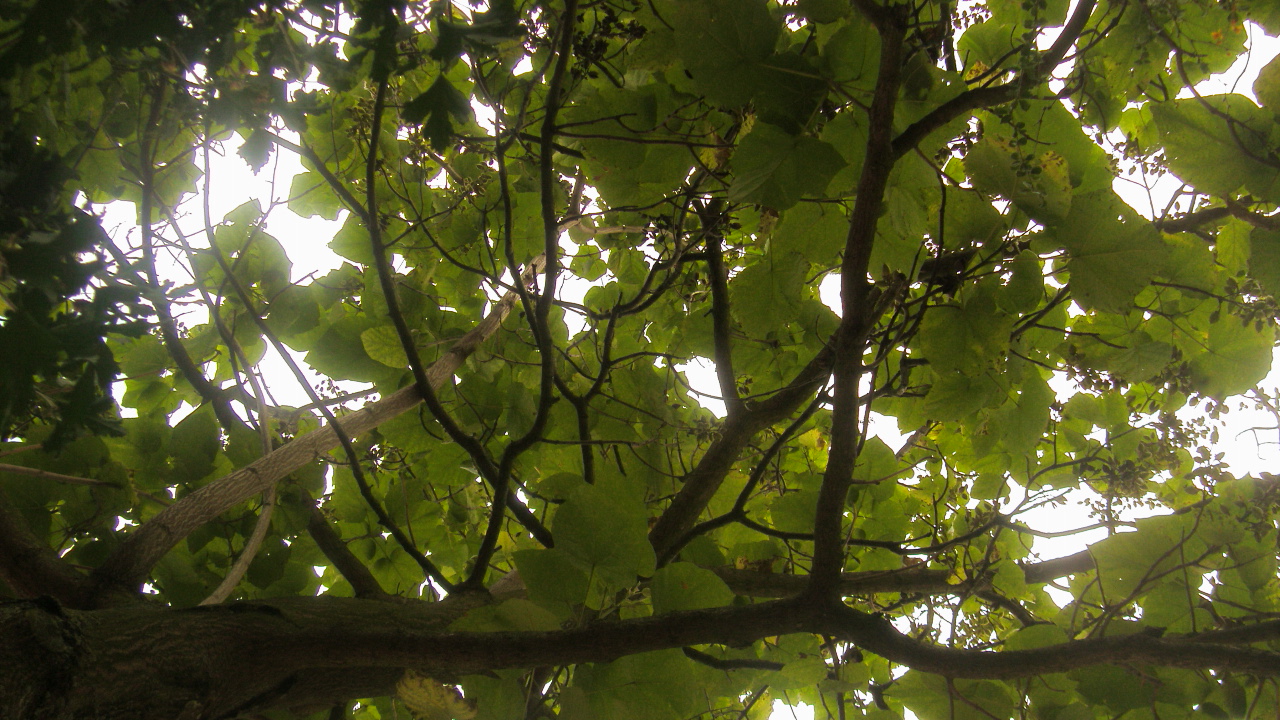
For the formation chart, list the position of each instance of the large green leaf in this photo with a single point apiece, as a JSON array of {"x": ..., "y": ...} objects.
[
  {"x": 774, "y": 168},
  {"x": 685, "y": 586},
  {"x": 931, "y": 697},
  {"x": 769, "y": 291},
  {"x": 964, "y": 338},
  {"x": 606, "y": 533},
  {"x": 1217, "y": 144},
  {"x": 1235, "y": 356},
  {"x": 1113, "y": 255},
  {"x": 723, "y": 43}
]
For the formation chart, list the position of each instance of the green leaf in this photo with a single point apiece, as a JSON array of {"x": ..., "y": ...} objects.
[
  {"x": 436, "y": 110},
  {"x": 1130, "y": 560},
  {"x": 606, "y": 533},
  {"x": 774, "y": 168},
  {"x": 195, "y": 443},
  {"x": 310, "y": 196},
  {"x": 1111, "y": 260},
  {"x": 1266, "y": 87},
  {"x": 1210, "y": 153},
  {"x": 823, "y": 11},
  {"x": 1112, "y": 687},
  {"x": 768, "y": 292},
  {"x": 1236, "y": 356},
  {"x": 1038, "y": 184},
  {"x": 551, "y": 574},
  {"x": 969, "y": 218},
  {"x": 1036, "y": 636},
  {"x": 794, "y": 512},
  {"x": 340, "y": 353},
  {"x": 876, "y": 462},
  {"x": 813, "y": 230},
  {"x": 964, "y": 338},
  {"x": 507, "y": 616},
  {"x": 852, "y": 54},
  {"x": 722, "y": 43},
  {"x": 352, "y": 241},
  {"x": 651, "y": 686},
  {"x": 685, "y": 586},
  {"x": 382, "y": 343},
  {"x": 1025, "y": 290},
  {"x": 954, "y": 396},
  {"x": 1233, "y": 247},
  {"x": 1264, "y": 258},
  {"x": 930, "y": 697},
  {"x": 1024, "y": 423},
  {"x": 256, "y": 149}
]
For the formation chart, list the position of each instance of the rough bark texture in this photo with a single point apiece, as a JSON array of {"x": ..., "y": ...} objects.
[{"x": 142, "y": 661}]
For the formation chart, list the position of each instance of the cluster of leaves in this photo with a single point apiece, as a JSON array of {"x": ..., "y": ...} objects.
[
  {"x": 692, "y": 173},
  {"x": 57, "y": 304}
]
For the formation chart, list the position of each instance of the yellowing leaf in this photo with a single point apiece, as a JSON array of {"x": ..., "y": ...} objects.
[
  {"x": 383, "y": 344},
  {"x": 429, "y": 699}
]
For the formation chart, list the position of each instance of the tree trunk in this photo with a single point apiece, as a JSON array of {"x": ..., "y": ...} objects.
[{"x": 145, "y": 661}]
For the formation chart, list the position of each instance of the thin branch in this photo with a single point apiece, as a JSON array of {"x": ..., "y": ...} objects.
[
  {"x": 539, "y": 318},
  {"x": 373, "y": 226},
  {"x": 711, "y": 216},
  {"x": 356, "y": 573},
  {"x": 57, "y": 477}
]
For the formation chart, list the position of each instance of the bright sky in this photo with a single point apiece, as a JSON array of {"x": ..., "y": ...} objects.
[{"x": 1251, "y": 440}]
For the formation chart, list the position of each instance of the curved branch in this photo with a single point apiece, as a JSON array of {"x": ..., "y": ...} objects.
[
  {"x": 247, "y": 553},
  {"x": 356, "y": 573},
  {"x": 30, "y": 567},
  {"x": 129, "y": 564},
  {"x": 981, "y": 97}
]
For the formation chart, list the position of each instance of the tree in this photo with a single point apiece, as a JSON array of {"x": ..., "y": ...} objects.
[{"x": 547, "y": 209}]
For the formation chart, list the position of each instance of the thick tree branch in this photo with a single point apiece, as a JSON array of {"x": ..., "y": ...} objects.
[
  {"x": 1192, "y": 221},
  {"x": 721, "y": 333},
  {"x": 356, "y": 573},
  {"x": 738, "y": 512},
  {"x": 30, "y": 567},
  {"x": 247, "y": 650},
  {"x": 858, "y": 314},
  {"x": 701, "y": 483}
]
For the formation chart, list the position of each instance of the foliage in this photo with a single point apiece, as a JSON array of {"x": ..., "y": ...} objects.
[{"x": 546, "y": 211}]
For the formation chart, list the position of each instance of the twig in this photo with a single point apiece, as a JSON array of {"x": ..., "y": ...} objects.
[{"x": 47, "y": 475}]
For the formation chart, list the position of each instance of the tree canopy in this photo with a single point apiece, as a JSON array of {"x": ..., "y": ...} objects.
[{"x": 505, "y": 497}]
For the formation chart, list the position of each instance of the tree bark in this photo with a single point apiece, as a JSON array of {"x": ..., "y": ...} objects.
[{"x": 141, "y": 661}]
